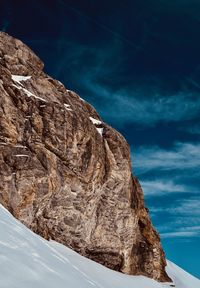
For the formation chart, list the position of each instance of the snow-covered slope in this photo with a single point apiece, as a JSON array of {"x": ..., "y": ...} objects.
[
  {"x": 28, "y": 261},
  {"x": 181, "y": 277}
]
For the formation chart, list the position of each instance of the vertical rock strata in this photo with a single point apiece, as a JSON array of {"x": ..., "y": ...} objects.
[{"x": 66, "y": 174}]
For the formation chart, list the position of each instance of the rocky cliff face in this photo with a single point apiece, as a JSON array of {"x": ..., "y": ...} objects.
[{"x": 66, "y": 174}]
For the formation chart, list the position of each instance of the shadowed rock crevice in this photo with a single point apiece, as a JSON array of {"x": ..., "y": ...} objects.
[{"x": 66, "y": 174}]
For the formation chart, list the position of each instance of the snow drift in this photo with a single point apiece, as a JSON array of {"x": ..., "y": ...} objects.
[{"x": 29, "y": 261}]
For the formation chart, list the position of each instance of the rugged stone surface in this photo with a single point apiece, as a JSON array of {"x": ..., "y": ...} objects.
[{"x": 66, "y": 174}]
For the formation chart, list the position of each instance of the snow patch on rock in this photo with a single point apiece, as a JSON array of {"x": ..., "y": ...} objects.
[
  {"x": 28, "y": 93},
  {"x": 100, "y": 131},
  {"x": 95, "y": 121},
  {"x": 19, "y": 78},
  {"x": 67, "y": 107}
]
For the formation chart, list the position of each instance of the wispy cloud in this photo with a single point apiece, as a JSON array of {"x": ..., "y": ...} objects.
[
  {"x": 97, "y": 70},
  {"x": 180, "y": 234},
  {"x": 181, "y": 156},
  {"x": 189, "y": 207},
  {"x": 181, "y": 224},
  {"x": 131, "y": 107},
  {"x": 175, "y": 170},
  {"x": 161, "y": 187},
  {"x": 135, "y": 104},
  {"x": 183, "y": 218}
]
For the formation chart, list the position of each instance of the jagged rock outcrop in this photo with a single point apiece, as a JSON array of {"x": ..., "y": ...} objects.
[{"x": 66, "y": 174}]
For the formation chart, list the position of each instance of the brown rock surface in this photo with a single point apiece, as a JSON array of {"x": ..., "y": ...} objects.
[{"x": 62, "y": 178}]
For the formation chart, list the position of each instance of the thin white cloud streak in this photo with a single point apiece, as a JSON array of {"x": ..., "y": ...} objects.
[
  {"x": 186, "y": 222},
  {"x": 179, "y": 234},
  {"x": 186, "y": 207},
  {"x": 180, "y": 224},
  {"x": 192, "y": 228},
  {"x": 182, "y": 156},
  {"x": 191, "y": 231},
  {"x": 184, "y": 219},
  {"x": 161, "y": 187}
]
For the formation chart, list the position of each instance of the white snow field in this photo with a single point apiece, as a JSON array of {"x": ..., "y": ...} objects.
[{"x": 29, "y": 261}]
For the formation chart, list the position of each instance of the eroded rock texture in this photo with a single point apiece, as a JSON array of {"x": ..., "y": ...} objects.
[{"x": 66, "y": 174}]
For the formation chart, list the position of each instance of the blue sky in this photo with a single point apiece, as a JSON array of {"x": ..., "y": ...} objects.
[{"x": 138, "y": 63}]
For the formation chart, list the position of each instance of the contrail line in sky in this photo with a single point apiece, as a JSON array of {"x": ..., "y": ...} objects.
[{"x": 101, "y": 25}]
